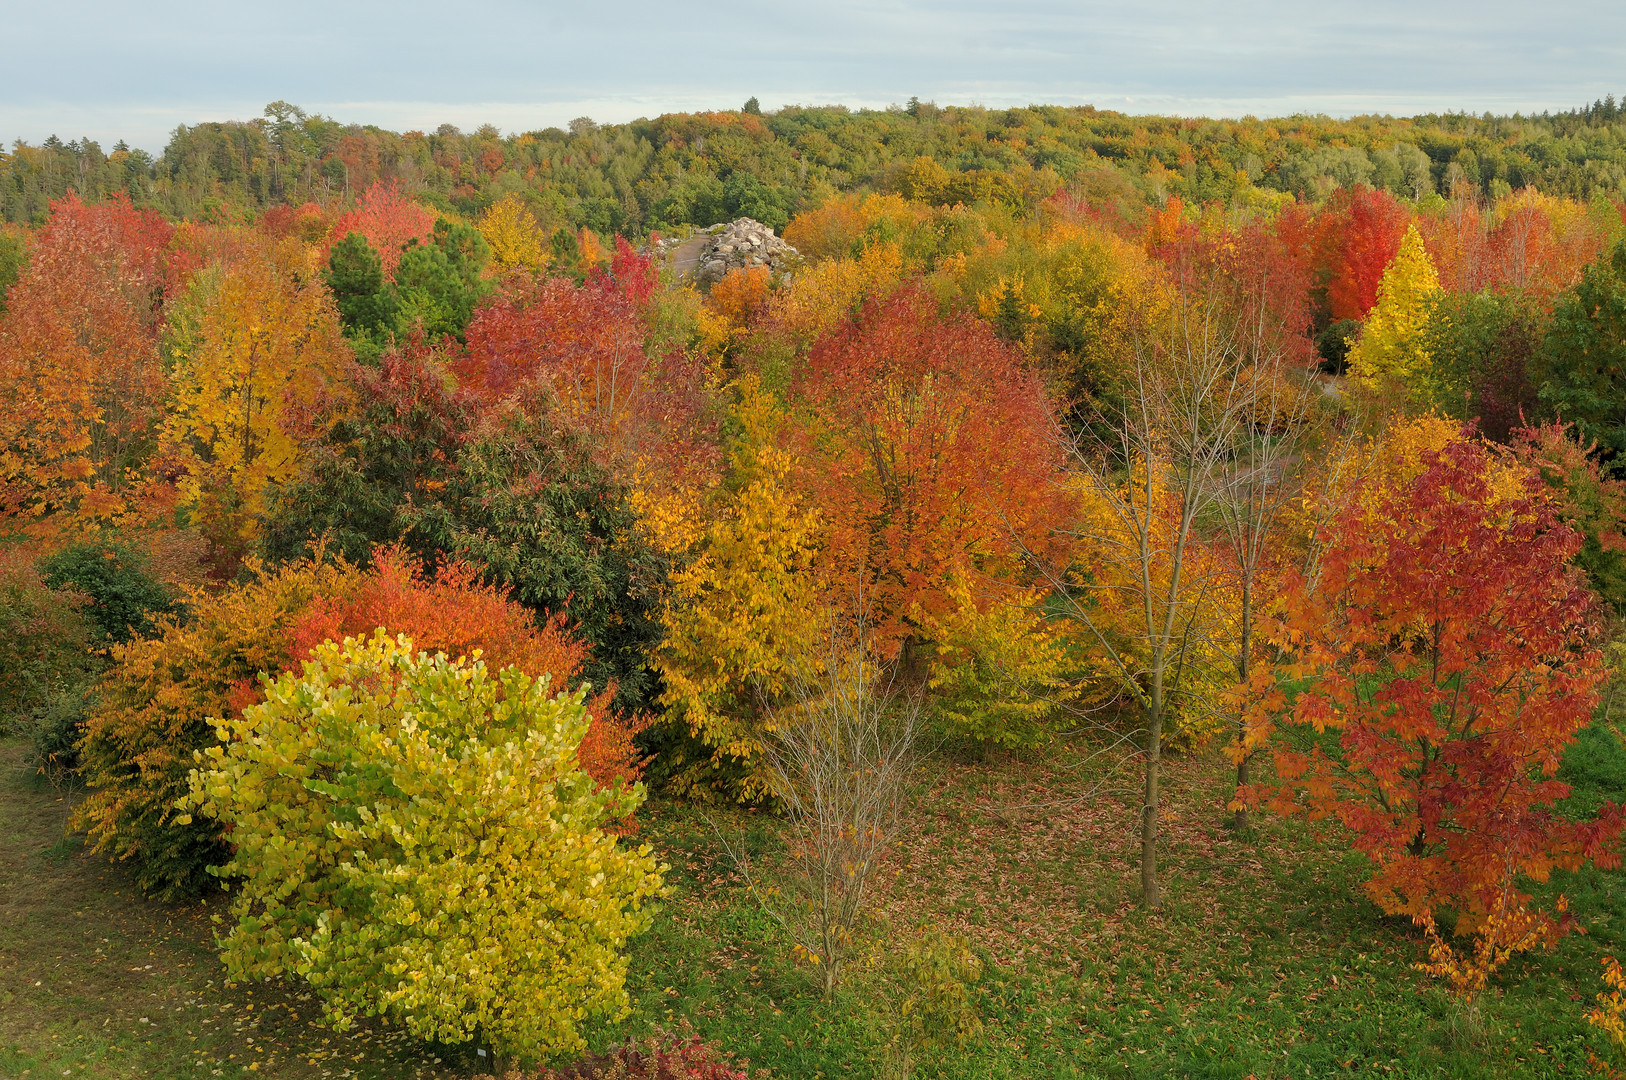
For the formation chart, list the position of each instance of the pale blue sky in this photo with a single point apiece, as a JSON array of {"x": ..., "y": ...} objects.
[{"x": 136, "y": 69}]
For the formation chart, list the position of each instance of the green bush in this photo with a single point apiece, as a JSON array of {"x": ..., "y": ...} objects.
[
  {"x": 415, "y": 839},
  {"x": 45, "y": 641},
  {"x": 124, "y": 596}
]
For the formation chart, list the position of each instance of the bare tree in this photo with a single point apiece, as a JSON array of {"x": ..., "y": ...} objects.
[
  {"x": 840, "y": 759},
  {"x": 1155, "y": 466}
]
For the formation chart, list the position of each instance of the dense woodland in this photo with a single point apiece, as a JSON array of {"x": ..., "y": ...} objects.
[{"x": 391, "y": 534}]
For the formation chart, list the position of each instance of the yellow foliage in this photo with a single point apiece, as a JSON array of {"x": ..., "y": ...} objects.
[
  {"x": 257, "y": 356},
  {"x": 514, "y": 236},
  {"x": 415, "y": 838},
  {"x": 1000, "y": 672},
  {"x": 742, "y": 610},
  {"x": 1389, "y": 354},
  {"x": 822, "y": 296},
  {"x": 844, "y": 225}
]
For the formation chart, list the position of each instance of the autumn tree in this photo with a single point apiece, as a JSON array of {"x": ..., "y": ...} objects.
[
  {"x": 413, "y": 836},
  {"x": 1453, "y": 652},
  {"x": 387, "y": 219},
  {"x": 1147, "y": 471},
  {"x": 1390, "y": 354},
  {"x": 742, "y": 605},
  {"x": 1363, "y": 230},
  {"x": 516, "y": 239},
  {"x": 923, "y": 448},
  {"x": 258, "y": 359},
  {"x": 81, "y": 377}
]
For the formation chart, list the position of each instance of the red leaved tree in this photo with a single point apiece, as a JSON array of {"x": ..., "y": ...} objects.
[
  {"x": 1363, "y": 232},
  {"x": 1453, "y": 650},
  {"x": 927, "y": 449},
  {"x": 454, "y": 612},
  {"x": 586, "y": 344},
  {"x": 81, "y": 379},
  {"x": 388, "y": 219}
]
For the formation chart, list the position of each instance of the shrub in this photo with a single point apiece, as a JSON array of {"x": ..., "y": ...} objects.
[
  {"x": 159, "y": 704},
  {"x": 44, "y": 640},
  {"x": 663, "y": 1055},
  {"x": 416, "y": 841},
  {"x": 124, "y": 595}
]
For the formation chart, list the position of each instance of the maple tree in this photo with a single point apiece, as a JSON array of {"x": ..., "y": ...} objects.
[
  {"x": 1454, "y": 654},
  {"x": 926, "y": 448},
  {"x": 1363, "y": 234},
  {"x": 515, "y": 236},
  {"x": 81, "y": 376}
]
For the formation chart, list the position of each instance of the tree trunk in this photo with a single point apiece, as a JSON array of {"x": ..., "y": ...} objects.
[
  {"x": 1149, "y": 808},
  {"x": 1242, "y": 670}
]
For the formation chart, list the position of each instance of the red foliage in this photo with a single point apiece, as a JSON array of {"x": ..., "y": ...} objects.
[
  {"x": 585, "y": 343},
  {"x": 455, "y": 613},
  {"x": 1363, "y": 229},
  {"x": 927, "y": 445},
  {"x": 81, "y": 380},
  {"x": 1454, "y": 650},
  {"x": 388, "y": 219},
  {"x": 309, "y": 222}
]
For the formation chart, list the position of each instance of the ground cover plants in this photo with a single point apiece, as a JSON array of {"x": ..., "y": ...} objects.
[{"x": 1047, "y": 626}]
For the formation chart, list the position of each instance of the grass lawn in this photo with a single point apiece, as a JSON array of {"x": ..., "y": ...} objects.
[{"x": 1266, "y": 961}]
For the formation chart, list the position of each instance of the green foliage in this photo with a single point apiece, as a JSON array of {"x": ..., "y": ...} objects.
[
  {"x": 1333, "y": 344},
  {"x": 45, "y": 641},
  {"x": 693, "y": 200},
  {"x": 528, "y": 500},
  {"x": 935, "y": 1007},
  {"x": 1584, "y": 353},
  {"x": 1481, "y": 347},
  {"x": 13, "y": 257},
  {"x": 124, "y": 595},
  {"x": 416, "y": 840},
  {"x": 438, "y": 284},
  {"x": 746, "y": 196},
  {"x": 355, "y": 277}
]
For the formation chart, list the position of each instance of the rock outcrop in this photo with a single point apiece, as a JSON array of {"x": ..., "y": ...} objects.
[{"x": 712, "y": 253}]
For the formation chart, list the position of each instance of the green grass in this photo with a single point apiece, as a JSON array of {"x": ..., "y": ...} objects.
[{"x": 1266, "y": 962}]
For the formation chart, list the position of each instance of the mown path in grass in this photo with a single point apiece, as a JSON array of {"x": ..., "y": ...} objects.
[{"x": 1266, "y": 961}]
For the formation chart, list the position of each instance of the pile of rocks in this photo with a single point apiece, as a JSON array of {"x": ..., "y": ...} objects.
[{"x": 709, "y": 254}]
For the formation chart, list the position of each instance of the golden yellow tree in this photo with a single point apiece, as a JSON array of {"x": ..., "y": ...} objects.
[
  {"x": 514, "y": 235},
  {"x": 258, "y": 355},
  {"x": 1389, "y": 354},
  {"x": 742, "y": 611}
]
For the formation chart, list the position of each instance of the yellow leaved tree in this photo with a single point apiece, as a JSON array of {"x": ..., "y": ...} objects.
[
  {"x": 742, "y": 611},
  {"x": 1389, "y": 357},
  {"x": 257, "y": 357},
  {"x": 514, "y": 235}
]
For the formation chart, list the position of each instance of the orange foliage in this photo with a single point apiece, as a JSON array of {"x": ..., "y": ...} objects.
[
  {"x": 81, "y": 380},
  {"x": 1454, "y": 651},
  {"x": 741, "y": 294},
  {"x": 455, "y": 613},
  {"x": 388, "y": 219},
  {"x": 927, "y": 444},
  {"x": 1363, "y": 232}
]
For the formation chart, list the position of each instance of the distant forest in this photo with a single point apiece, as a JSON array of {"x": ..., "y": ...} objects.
[{"x": 699, "y": 168}]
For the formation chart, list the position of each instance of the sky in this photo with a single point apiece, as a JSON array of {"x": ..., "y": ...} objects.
[{"x": 135, "y": 71}]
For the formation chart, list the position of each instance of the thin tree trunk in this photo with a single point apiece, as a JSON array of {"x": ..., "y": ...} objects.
[
  {"x": 1149, "y": 808},
  {"x": 1242, "y": 666}
]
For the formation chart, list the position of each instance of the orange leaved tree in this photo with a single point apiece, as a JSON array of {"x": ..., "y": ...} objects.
[
  {"x": 81, "y": 380},
  {"x": 1453, "y": 650}
]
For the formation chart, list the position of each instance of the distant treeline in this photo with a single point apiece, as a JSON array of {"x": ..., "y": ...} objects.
[{"x": 704, "y": 167}]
